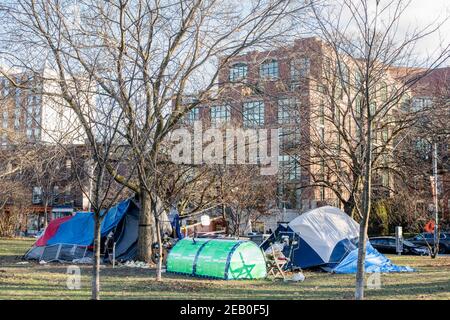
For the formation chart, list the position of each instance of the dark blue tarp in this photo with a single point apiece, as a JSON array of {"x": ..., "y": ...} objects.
[{"x": 80, "y": 229}]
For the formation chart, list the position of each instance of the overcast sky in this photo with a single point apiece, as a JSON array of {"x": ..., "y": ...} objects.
[
  {"x": 417, "y": 16},
  {"x": 423, "y": 12}
]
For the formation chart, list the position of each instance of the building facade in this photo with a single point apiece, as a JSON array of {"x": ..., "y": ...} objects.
[
  {"x": 34, "y": 124},
  {"x": 429, "y": 139},
  {"x": 33, "y": 111},
  {"x": 300, "y": 89}
]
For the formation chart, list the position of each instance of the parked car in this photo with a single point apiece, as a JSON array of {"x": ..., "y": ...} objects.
[
  {"x": 422, "y": 239},
  {"x": 388, "y": 245}
]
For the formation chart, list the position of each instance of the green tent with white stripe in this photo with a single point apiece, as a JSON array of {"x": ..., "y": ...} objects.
[{"x": 217, "y": 258}]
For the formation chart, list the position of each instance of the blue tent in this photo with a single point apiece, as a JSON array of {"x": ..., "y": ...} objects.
[
  {"x": 326, "y": 237},
  {"x": 74, "y": 236},
  {"x": 80, "y": 229}
]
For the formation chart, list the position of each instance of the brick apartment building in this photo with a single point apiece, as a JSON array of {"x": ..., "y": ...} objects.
[
  {"x": 283, "y": 88},
  {"x": 430, "y": 132}
]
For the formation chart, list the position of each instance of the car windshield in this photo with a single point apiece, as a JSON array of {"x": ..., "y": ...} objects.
[{"x": 409, "y": 243}]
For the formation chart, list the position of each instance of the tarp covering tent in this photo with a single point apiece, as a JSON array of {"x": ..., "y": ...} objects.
[
  {"x": 217, "y": 258},
  {"x": 70, "y": 238},
  {"x": 327, "y": 237},
  {"x": 375, "y": 262},
  {"x": 51, "y": 230}
]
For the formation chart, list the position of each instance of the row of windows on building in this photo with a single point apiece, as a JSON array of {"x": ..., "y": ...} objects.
[
  {"x": 270, "y": 69},
  {"x": 379, "y": 92},
  {"x": 57, "y": 196},
  {"x": 253, "y": 113},
  {"x": 300, "y": 68},
  {"x": 288, "y": 113},
  {"x": 24, "y": 103},
  {"x": 421, "y": 103}
]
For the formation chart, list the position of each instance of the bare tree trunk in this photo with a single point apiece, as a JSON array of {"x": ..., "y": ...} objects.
[
  {"x": 96, "y": 266},
  {"x": 349, "y": 205},
  {"x": 160, "y": 250},
  {"x": 45, "y": 213},
  {"x": 238, "y": 224},
  {"x": 360, "y": 273},
  {"x": 366, "y": 202},
  {"x": 224, "y": 217},
  {"x": 145, "y": 240},
  {"x": 223, "y": 207}
]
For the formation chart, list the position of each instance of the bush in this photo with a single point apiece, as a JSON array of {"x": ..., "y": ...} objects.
[
  {"x": 379, "y": 220},
  {"x": 11, "y": 220}
]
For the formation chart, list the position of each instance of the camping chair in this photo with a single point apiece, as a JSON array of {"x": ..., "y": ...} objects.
[{"x": 275, "y": 263}]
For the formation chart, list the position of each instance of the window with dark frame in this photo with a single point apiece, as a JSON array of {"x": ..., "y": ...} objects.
[
  {"x": 269, "y": 69},
  {"x": 299, "y": 68},
  {"x": 220, "y": 114},
  {"x": 37, "y": 195},
  {"x": 289, "y": 167},
  {"x": 192, "y": 116},
  {"x": 288, "y": 110},
  {"x": 238, "y": 71},
  {"x": 253, "y": 114}
]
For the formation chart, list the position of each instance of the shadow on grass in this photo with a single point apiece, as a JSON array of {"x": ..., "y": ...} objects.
[
  {"x": 442, "y": 286},
  {"x": 8, "y": 259},
  {"x": 48, "y": 281}
]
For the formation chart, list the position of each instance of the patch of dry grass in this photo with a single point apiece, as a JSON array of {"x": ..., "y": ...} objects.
[{"x": 34, "y": 281}]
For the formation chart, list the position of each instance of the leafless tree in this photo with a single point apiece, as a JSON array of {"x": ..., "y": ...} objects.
[
  {"x": 104, "y": 152},
  {"x": 48, "y": 170},
  {"x": 17, "y": 158},
  {"x": 13, "y": 199},
  {"x": 364, "y": 36},
  {"x": 246, "y": 196},
  {"x": 98, "y": 122},
  {"x": 415, "y": 151},
  {"x": 147, "y": 56}
]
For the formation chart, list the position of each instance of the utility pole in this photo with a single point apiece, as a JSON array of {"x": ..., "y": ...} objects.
[{"x": 436, "y": 203}]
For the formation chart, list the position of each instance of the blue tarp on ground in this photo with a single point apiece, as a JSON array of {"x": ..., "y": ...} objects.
[
  {"x": 80, "y": 229},
  {"x": 374, "y": 262}
]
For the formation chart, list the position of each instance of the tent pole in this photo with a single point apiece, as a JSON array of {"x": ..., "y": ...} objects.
[{"x": 114, "y": 255}]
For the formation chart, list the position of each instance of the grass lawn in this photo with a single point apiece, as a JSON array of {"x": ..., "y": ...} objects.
[{"x": 34, "y": 281}]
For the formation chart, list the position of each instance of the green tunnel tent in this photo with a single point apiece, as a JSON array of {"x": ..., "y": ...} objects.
[{"x": 217, "y": 258}]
